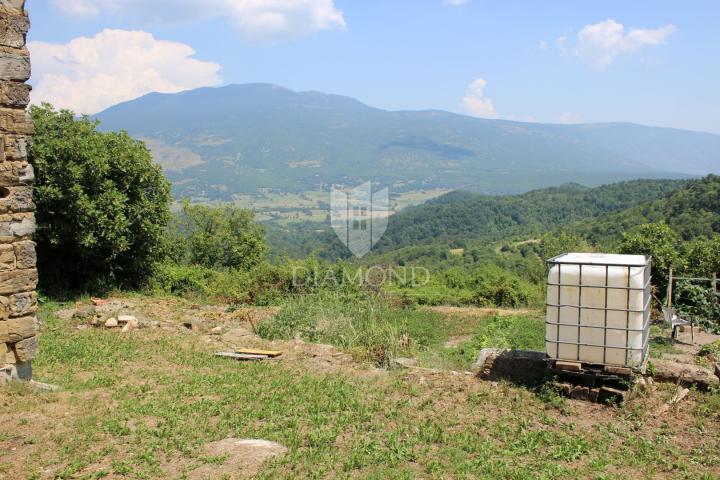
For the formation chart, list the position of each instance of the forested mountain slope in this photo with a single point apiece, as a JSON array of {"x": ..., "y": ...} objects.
[
  {"x": 215, "y": 143},
  {"x": 692, "y": 210},
  {"x": 464, "y": 215}
]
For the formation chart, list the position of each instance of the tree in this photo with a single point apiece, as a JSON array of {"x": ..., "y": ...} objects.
[
  {"x": 102, "y": 204},
  {"x": 222, "y": 237},
  {"x": 553, "y": 244},
  {"x": 659, "y": 241},
  {"x": 703, "y": 256}
]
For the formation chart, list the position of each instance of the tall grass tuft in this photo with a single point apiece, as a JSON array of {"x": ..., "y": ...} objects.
[{"x": 367, "y": 326}]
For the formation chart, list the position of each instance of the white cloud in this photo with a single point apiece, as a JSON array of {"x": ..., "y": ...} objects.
[
  {"x": 475, "y": 101},
  {"x": 599, "y": 44},
  {"x": 257, "y": 21},
  {"x": 455, "y": 3},
  {"x": 88, "y": 75},
  {"x": 569, "y": 118}
]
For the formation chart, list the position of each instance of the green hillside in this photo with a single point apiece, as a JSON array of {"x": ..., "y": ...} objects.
[
  {"x": 693, "y": 211},
  {"x": 460, "y": 217},
  {"x": 216, "y": 143},
  {"x": 464, "y": 215}
]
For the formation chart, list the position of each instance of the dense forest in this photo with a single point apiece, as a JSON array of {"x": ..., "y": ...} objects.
[{"x": 460, "y": 217}]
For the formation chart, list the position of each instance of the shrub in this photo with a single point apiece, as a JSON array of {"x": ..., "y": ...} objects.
[
  {"x": 102, "y": 205},
  {"x": 703, "y": 256},
  {"x": 554, "y": 244},
  {"x": 698, "y": 301},
  {"x": 659, "y": 241},
  {"x": 219, "y": 237}
]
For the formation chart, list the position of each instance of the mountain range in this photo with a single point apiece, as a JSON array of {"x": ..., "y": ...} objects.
[{"x": 218, "y": 142}]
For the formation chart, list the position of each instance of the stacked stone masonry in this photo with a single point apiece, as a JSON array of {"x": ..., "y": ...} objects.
[{"x": 18, "y": 274}]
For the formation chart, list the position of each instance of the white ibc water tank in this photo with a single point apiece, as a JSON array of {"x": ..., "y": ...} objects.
[{"x": 598, "y": 309}]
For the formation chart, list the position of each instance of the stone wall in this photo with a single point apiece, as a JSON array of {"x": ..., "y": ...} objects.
[{"x": 18, "y": 275}]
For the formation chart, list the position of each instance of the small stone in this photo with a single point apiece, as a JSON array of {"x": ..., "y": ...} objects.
[
  {"x": 126, "y": 318},
  {"x": 27, "y": 349},
  {"x": 405, "y": 362},
  {"x": 580, "y": 393},
  {"x": 216, "y": 331},
  {"x": 84, "y": 312},
  {"x": 111, "y": 323},
  {"x": 131, "y": 325}
]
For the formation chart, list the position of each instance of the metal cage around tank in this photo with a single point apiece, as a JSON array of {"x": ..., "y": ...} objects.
[{"x": 647, "y": 275}]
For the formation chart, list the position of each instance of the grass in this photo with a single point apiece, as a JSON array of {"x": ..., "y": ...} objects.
[
  {"x": 368, "y": 327},
  {"x": 661, "y": 342},
  {"x": 521, "y": 332},
  {"x": 141, "y": 405}
]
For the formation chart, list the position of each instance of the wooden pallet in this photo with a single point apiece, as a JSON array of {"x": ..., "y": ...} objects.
[{"x": 594, "y": 383}]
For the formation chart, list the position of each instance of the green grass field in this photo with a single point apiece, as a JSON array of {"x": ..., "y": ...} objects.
[{"x": 142, "y": 404}]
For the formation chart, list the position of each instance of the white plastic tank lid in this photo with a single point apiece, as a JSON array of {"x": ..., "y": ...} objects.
[{"x": 601, "y": 259}]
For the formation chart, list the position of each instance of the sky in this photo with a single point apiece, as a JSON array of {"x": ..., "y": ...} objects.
[{"x": 653, "y": 62}]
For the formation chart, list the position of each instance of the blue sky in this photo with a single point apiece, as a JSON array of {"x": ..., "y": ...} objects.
[{"x": 649, "y": 62}]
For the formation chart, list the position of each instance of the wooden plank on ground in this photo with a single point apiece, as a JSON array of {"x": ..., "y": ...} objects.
[
  {"x": 615, "y": 370},
  {"x": 569, "y": 366},
  {"x": 241, "y": 356},
  {"x": 252, "y": 351}
]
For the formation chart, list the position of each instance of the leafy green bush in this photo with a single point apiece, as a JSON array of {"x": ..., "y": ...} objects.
[
  {"x": 554, "y": 244},
  {"x": 219, "y": 237},
  {"x": 485, "y": 286},
  {"x": 659, "y": 241},
  {"x": 497, "y": 288},
  {"x": 703, "y": 256},
  {"x": 698, "y": 301},
  {"x": 102, "y": 204}
]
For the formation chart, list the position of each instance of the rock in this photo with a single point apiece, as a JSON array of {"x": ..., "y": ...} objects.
[
  {"x": 405, "y": 362},
  {"x": 580, "y": 392},
  {"x": 131, "y": 325},
  {"x": 520, "y": 366},
  {"x": 243, "y": 458},
  {"x": 609, "y": 395},
  {"x": 21, "y": 328},
  {"x": 26, "y": 350},
  {"x": 14, "y": 94},
  {"x": 684, "y": 374},
  {"x": 216, "y": 331},
  {"x": 83, "y": 313},
  {"x": 22, "y": 304},
  {"x": 13, "y": 67},
  {"x": 7, "y": 258},
  {"x": 18, "y": 281},
  {"x": 111, "y": 323},
  {"x": 25, "y": 255},
  {"x": 126, "y": 318},
  {"x": 4, "y": 335}
]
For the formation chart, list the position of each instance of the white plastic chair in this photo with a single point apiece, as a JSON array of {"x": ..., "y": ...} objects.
[{"x": 672, "y": 318}]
